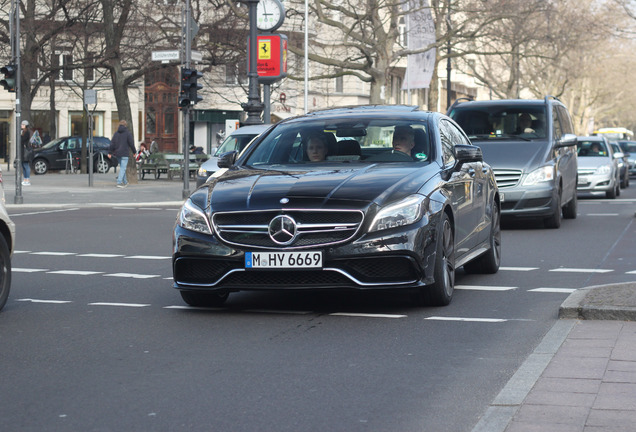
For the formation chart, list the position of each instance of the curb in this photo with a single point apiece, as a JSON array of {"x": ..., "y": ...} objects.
[{"x": 601, "y": 302}]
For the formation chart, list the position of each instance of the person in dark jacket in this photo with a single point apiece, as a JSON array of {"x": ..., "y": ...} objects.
[
  {"x": 120, "y": 146},
  {"x": 25, "y": 144}
]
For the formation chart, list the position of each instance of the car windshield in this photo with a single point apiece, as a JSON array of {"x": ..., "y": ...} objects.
[
  {"x": 496, "y": 122},
  {"x": 234, "y": 142},
  {"x": 342, "y": 140},
  {"x": 592, "y": 149},
  {"x": 628, "y": 146}
]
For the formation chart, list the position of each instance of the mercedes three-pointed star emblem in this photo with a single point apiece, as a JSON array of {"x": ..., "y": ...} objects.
[{"x": 282, "y": 230}]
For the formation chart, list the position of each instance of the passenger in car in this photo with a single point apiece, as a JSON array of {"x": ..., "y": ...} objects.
[
  {"x": 317, "y": 148},
  {"x": 403, "y": 139}
]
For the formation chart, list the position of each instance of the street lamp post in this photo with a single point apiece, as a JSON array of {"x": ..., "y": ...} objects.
[{"x": 254, "y": 106}]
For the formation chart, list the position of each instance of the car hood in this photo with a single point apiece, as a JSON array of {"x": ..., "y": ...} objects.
[
  {"x": 593, "y": 161},
  {"x": 253, "y": 189},
  {"x": 519, "y": 154}
]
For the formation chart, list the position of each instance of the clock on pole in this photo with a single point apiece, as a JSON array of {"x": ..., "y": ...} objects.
[{"x": 270, "y": 15}]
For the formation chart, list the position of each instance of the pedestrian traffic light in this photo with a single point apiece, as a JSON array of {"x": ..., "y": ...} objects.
[
  {"x": 189, "y": 87},
  {"x": 8, "y": 82}
]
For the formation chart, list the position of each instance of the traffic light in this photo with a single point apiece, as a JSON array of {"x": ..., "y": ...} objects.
[
  {"x": 8, "y": 82},
  {"x": 189, "y": 87}
]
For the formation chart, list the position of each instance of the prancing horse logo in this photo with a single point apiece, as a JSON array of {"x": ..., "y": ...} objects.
[{"x": 282, "y": 230}]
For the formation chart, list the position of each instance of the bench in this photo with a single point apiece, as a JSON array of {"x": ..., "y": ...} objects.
[{"x": 170, "y": 164}]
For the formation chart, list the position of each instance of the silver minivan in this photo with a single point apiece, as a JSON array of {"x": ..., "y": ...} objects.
[{"x": 532, "y": 148}]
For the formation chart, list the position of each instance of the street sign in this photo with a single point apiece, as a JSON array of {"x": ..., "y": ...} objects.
[
  {"x": 90, "y": 97},
  {"x": 165, "y": 56},
  {"x": 168, "y": 56}
]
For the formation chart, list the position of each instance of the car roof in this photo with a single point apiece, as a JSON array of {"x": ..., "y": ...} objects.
[{"x": 250, "y": 130}]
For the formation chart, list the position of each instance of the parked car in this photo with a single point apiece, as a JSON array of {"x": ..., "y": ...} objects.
[
  {"x": 365, "y": 217},
  {"x": 623, "y": 163},
  {"x": 7, "y": 242},
  {"x": 629, "y": 149},
  {"x": 532, "y": 148},
  {"x": 598, "y": 167},
  {"x": 60, "y": 153},
  {"x": 237, "y": 140}
]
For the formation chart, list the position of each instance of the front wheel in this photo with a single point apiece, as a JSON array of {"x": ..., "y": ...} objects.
[
  {"x": 554, "y": 221},
  {"x": 5, "y": 271},
  {"x": 40, "y": 166},
  {"x": 571, "y": 208},
  {"x": 204, "y": 299},
  {"x": 440, "y": 293}
]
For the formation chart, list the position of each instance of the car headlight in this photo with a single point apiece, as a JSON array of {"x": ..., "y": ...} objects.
[
  {"x": 191, "y": 217},
  {"x": 405, "y": 212},
  {"x": 604, "y": 169},
  {"x": 202, "y": 172},
  {"x": 543, "y": 174}
]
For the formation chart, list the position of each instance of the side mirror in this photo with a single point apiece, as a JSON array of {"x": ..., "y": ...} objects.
[
  {"x": 567, "y": 140},
  {"x": 619, "y": 155},
  {"x": 468, "y": 153},
  {"x": 226, "y": 160}
]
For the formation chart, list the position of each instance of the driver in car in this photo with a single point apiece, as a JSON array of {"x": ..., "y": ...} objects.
[{"x": 403, "y": 139}]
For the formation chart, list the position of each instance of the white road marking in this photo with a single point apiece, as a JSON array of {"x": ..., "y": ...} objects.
[
  {"x": 44, "y": 301},
  {"x": 367, "y": 315},
  {"x": 631, "y": 272},
  {"x": 484, "y": 320},
  {"x": 148, "y": 257},
  {"x": 194, "y": 308},
  {"x": 135, "y": 305},
  {"x": 132, "y": 275},
  {"x": 580, "y": 270},
  {"x": 94, "y": 255},
  {"x": 484, "y": 288},
  {"x": 554, "y": 290},
  {"x": 54, "y": 253},
  {"x": 43, "y": 212},
  {"x": 27, "y": 270},
  {"x": 75, "y": 272},
  {"x": 518, "y": 268},
  {"x": 21, "y": 252},
  {"x": 277, "y": 312},
  {"x": 602, "y": 214}
]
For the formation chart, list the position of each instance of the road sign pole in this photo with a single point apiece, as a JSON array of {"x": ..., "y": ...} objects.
[
  {"x": 15, "y": 45},
  {"x": 186, "y": 110}
]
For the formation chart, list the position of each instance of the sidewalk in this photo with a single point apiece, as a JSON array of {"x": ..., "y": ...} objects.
[
  {"x": 581, "y": 377},
  {"x": 59, "y": 190}
]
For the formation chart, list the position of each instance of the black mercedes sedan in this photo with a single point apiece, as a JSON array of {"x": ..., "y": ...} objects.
[{"x": 371, "y": 197}]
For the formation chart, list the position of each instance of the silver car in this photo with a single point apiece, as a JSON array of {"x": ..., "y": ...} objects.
[
  {"x": 237, "y": 140},
  {"x": 7, "y": 241},
  {"x": 598, "y": 166}
]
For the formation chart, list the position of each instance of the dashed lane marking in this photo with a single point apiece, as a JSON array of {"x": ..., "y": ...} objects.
[
  {"x": 463, "y": 319},
  {"x": 133, "y": 305},
  {"x": 132, "y": 275},
  {"x": 580, "y": 270},
  {"x": 44, "y": 301},
  {"x": 27, "y": 270},
  {"x": 602, "y": 214},
  {"x": 42, "y": 212},
  {"x": 54, "y": 253},
  {"x": 367, "y": 315},
  {"x": 148, "y": 257},
  {"x": 484, "y": 288},
  {"x": 524, "y": 269},
  {"x": 554, "y": 290},
  {"x": 75, "y": 272},
  {"x": 96, "y": 255}
]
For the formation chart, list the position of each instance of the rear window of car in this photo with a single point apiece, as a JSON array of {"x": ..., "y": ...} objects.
[
  {"x": 346, "y": 140},
  {"x": 493, "y": 122}
]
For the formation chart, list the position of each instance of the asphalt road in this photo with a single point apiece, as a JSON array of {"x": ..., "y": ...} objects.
[{"x": 94, "y": 338}]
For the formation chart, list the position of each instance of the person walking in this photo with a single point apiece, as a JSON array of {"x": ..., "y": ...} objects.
[
  {"x": 27, "y": 150},
  {"x": 120, "y": 146}
]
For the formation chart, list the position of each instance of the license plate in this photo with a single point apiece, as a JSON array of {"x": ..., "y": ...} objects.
[
  {"x": 582, "y": 180},
  {"x": 501, "y": 197},
  {"x": 297, "y": 260}
]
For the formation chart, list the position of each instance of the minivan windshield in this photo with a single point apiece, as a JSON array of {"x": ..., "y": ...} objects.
[{"x": 494, "y": 122}]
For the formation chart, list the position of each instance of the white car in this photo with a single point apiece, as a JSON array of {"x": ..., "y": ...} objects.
[
  {"x": 7, "y": 242},
  {"x": 598, "y": 166},
  {"x": 237, "y": 140}
]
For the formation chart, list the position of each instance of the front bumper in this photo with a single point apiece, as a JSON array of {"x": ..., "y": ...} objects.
[
  {"x": 595, "y": 183},
  {"x": 528, "y": 202},
  {"x": 399, "y": 258}
]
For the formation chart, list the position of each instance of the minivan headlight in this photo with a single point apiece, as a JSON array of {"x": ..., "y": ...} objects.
[
  {"x": 604, "y": 169},
  {"x": 191, "y": 217},
  {"x": 404, "y": 212},
  {"x": 543, "y": 174}
]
